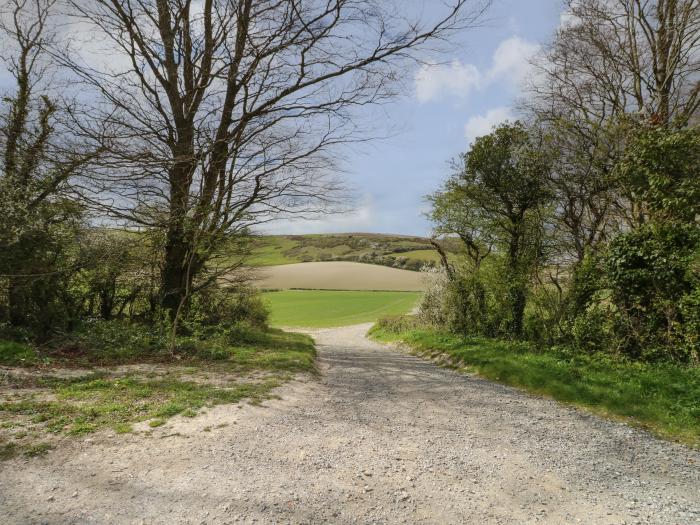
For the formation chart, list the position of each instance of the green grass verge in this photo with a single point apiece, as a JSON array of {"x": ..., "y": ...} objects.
[
  {"x": 327, "y": 308},
  {"x": 664, "y": 399},
  {"x": 87, "y": 404},
  {"x": 224, "y": 366},
  {"x": 108, "y": 343}
]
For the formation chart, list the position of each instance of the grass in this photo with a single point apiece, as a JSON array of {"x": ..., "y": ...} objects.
[
  {"x": 276, "y": 351},
  {"x": 421, "y": 255},
  {"x": 275, "y": 250},
  {"x": 87, "y": 404},
  {"x": 228, "y": 365},
  {"x": 327, "y": 308},
  {"x": 272, "y": 251},
  {"x": 108, "y": 343},
  {"x": 17, "y": 354},
  {"x": 664, "y": 399}
]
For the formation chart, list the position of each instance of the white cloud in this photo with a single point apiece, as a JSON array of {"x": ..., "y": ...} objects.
[
  {"x": 359, "y": 219},
  {"x": 483, "y": 124},
  {"x": 510, "y": 62},
  {"x": 568, "y": 19},
  {"x": 511, "y": 59},
  {"x": 455, "y": 78}
]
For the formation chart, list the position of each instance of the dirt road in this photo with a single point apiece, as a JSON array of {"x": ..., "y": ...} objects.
[{"x": 381, "y": 438}]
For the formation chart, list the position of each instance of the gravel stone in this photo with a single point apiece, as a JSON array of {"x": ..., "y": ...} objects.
[{"x": 471, "y": 450}]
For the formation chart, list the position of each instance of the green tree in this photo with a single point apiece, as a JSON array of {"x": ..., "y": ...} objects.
[
  {"x": 653, "y": 275},
  {"x": 452, "y": 214},
  {"x": 38, "y": 159},
  {"x": 496, "y": 199},
  {"x": 226, "y": 115},
  {"x": 661, "y": 169}
]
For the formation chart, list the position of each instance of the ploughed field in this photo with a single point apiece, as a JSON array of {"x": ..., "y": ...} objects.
[{"x": 339, "y": 276}]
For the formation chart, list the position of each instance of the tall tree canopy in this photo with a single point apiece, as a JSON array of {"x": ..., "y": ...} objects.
[
  {"x": 224, "y": 113},
  {"x": 496, "y": 197}
]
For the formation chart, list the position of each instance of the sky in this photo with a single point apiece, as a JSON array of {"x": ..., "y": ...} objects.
[
  {"x": 446, "y": 106},
  {"x": 462, "y": 95}
]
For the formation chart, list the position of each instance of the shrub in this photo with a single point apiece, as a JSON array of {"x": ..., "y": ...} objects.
[
  {"x": 661, "y": 168},
  {"x": 593, "y": 329},
  {"x": 653, "y": 276},
  {"x": 17, "y": 354},
  {"x": 460, "y": 304},
  {"x": 397, "y": 324},
  {"x": 105, "y": 341},
  {"x": 229, "y": 306},
  {"x": 543, "y": 314},
  {"x": 641, "y": 298}
]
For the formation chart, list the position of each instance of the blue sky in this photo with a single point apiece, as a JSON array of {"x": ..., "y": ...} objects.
[
  {"x": 472, "y": 89},
  {"x": 466, "y": 92}
]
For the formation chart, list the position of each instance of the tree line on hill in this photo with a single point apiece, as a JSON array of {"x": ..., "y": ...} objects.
[
  {"x": 384, "y": 250},
  {"x": 142, "y": 140},
  {"x": 580, "y": 222}
]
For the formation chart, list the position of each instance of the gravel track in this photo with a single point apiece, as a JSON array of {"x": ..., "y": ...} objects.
[{"x": 382, "y": 437}]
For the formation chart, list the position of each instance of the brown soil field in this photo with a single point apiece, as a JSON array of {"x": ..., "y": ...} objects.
[{"x": 339, "y": 276}]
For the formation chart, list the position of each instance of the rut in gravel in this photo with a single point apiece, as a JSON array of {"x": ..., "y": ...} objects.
[{"x": 381, "y": 437}]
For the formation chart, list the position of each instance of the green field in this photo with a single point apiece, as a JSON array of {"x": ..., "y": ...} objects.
[
  {"x": 397, "y": 251},
  {"x": 325, "y": 308}
]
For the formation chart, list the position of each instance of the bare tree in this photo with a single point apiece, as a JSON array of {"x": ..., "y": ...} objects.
[
  {"x": 614, "y": 63},
  {"x": 627, "y": 56},
  {"x": 224, "y": 113}
]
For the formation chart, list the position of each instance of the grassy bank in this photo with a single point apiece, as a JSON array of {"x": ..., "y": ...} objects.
[
  {"x": 116, "y": 376},
  {"x": 327, "y": 308},
  {"x": 389, "y": 250},
  {"x": 664, "y": 399}
]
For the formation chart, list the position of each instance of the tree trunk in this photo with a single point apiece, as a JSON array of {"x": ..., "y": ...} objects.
[
  {"x": 517, "y": 291},
  {"x": 17, "y": 301},
  {"x": 174, "y": 275},
  {"x": 517, "y": 297},
  {"x": 107, "y": 294},
  {"x": 443, "y": 259},
  {"x": 179, "y": 271}
]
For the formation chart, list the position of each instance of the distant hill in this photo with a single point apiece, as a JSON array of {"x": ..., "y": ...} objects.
[{"x": 397, "y": 251}]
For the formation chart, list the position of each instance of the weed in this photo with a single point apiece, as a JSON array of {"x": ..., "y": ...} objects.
[
  {"x": 123, "y": 428},
  {"x": 38, "y": 449},
  {"x": 87, "y": 405},
  {"x": 8, "y": 451},
  {"x": 81, "y": 405},
  {"x": 30, "y": 450}
]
